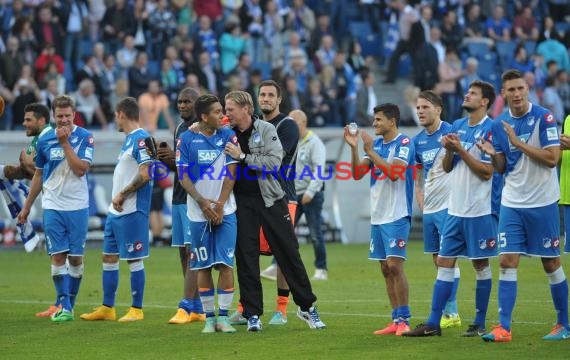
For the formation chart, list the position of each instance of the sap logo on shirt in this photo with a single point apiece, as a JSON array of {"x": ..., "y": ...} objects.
[
  {"x": 207, "y": 156},
  {"x": 523, "y": 138},
  {"x": 429, "y": 156},
  {"x": 56, "y": 154}
]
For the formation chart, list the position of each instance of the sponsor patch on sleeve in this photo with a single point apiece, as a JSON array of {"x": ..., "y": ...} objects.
[
  {"x": 551, "y": 134},
  {"x": 404, "y": 152},
  {"x": 89, "y": 153},
  {"x": 144, "y": 155}
]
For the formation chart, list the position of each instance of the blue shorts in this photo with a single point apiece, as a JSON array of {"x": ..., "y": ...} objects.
[
  {"x": 389, "y": 240},
  {"x": 566, "y": 209},
  {"x": 530, "y": 231},
  {"x": 66, "y": 231},
  {"x": 474, "y": 238},
  {"x": 433, "y": 228},
  {"x": 213, "y": 245},
  {"x": 180, "y": 226},
  {"x": 126, "y": 236}
]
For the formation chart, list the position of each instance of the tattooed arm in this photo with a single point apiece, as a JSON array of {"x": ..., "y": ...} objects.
[{"x": 140, "y": 180}]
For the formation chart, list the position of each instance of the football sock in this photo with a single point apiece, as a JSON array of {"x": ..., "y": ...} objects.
[
  {"x": 207, "y": 297},
  {"x": 559, "y": 292},
  {"x": 451, "y": 304},
  {"x": 282, "y": 301},
  {"x": 403, "y": 314},
  {"x": 137, "y": 282},
  {"x": 110, "y": 283},
  {"x": 507, "y": 296},
  {"x": 482, "y": 295},
  {"x": 187, "y": 305},
  {"x": 75, "y": 276},
  {"x": 225, "y": 298},
  {"x": 197, "y": 305},
  {"x": 60, "y": 278},
  {"x": 441, "y": 290}
]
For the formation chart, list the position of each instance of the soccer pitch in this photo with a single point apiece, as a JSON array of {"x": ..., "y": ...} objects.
[{"x": 352, "y": 303}]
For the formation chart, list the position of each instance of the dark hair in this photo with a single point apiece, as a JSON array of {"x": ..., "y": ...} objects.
[
  {"x": 271, "y": 83},
  {"x": 63, "y": 101},
  {"x": 129, "y": 107},
  {"x": 203, "y": 105},
  {"x": 39, "y": 110},
  {"x": 190, "y": 92},
  {"x": 549, "y": 63},
  {"x": 487, "y": 90},
  {"x": 431, "y": 97},
  {"x": 390, "y": 110},
  {"x": 550, "y": 81},
  {"x": 511, "y": 74}
]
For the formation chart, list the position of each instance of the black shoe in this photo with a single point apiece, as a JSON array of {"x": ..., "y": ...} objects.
[
  {"x": 423, "y": 330},
  {"x": 474, "y": 330}
]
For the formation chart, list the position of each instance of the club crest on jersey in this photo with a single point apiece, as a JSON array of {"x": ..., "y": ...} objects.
[
  {"x": 549, "y": 118},
  {"x": 547, "y": 242},
  {"x": 73, "y": 139},
  {"x": 478, "y": 134},
  {"x": 392, "y": 243},
  {"x": 207, "y": 156},
  {"x": 219, "y": 142},
  {"x": 530, "y": 121},
  {"x": 230, "y": 253},
  {"x": 256, "y": 137},
  {"x": 482, "y": 244}
]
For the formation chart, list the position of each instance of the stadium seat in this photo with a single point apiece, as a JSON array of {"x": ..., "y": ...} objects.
[
  {"x": 562, "y": 27},
  {"x": 372, "y": 45},
  {"x": 477, "y": 49},
  {"x": 530, "y": 47},
  {"x": 488, "y": 63},
  {"x": 506, "y": 51},
  {"x": 359, "y": 28},
  {"x": 153, "y": 68},
  {"x": 264, "y": 67}
]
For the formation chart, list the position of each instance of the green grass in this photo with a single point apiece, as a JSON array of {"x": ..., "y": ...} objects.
[{"x": 353, "y": 304}]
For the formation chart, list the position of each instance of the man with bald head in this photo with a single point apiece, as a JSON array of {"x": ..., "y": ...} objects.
[{"x": 309, "y": 186}]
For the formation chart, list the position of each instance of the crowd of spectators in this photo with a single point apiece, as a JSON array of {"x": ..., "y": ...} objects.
[{"x": 100, "y": 51}]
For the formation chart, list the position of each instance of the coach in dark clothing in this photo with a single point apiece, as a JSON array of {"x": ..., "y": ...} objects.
[{"x": 261, "y": 202}]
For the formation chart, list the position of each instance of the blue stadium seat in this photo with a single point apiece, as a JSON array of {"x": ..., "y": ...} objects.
[
  {"x": 530, "y": 47},
  {"x": 153, "y": 67},
  {"x": 264, "y": 67},
  {"x": 359, "y": 28},
  {"x": 372, "y": 45},
  {"x": 488, "y": 62},
  {"x": 506, "y": 51},
  {"x": 404, "y": 66},
  {"x": 478, "y": 50},
  {"x": 562, "y": 27}
]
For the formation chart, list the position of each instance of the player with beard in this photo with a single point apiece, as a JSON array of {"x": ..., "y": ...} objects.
[{"x": 470, "y": 228}]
